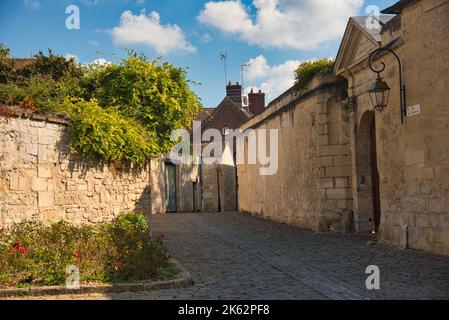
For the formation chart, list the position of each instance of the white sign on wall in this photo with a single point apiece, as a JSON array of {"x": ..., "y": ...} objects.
[{"x": 413, "y": 110}]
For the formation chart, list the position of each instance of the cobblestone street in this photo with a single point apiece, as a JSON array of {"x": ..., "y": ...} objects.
[{"x": 235, "y": 256}]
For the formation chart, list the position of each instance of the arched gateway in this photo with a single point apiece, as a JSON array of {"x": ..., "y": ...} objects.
[{"x": 368, "y": 193}]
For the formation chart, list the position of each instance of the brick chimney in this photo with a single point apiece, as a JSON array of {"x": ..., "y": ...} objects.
[
  {"x": 234, "y": 91},
  {"x": 256, "y": 102}
]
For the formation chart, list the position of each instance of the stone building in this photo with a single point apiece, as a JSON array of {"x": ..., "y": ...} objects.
[
  {"x": 207, "y": 187},
  {"x": 344, "y": 166}
]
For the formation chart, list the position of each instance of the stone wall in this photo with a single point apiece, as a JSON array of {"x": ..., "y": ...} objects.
[
  {"x": 414, "y": 157},
  {"x": 218, "y": 187},
  {"x": 311, "y": 188},
  {"x": 38, "y": 179}
]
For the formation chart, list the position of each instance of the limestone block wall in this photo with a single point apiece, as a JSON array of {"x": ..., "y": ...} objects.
[
  {"x": 38, "y": 179},
  {"x": 412, "y": 158},
  {"x": 334, "y": 160},
  {"x": 414, "y": 161},
  {"x": 311, "y": 188},
  {"x": 157, "y": 182}
]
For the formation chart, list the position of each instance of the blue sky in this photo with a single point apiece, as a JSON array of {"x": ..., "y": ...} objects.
[{"x": 273, "y": 36}]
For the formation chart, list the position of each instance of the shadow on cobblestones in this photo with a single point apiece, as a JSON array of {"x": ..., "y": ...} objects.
[{"x": 233, "y": 255}]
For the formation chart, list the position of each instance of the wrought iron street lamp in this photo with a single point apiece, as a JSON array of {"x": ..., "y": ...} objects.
[{"x": 379, "y": 90}]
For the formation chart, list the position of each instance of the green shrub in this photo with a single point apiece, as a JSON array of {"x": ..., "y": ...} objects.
[
  {"x": 121, "y": 113},
  {"x": 4, "y": 51},
  {"x": 122, "y": 250},
  {"x": 54, "y": 66},
  {"x": 46, "y": 93},
  {"x": 310, "y": 69}
]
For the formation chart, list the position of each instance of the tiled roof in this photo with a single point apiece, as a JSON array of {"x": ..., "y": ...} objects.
[
  {"x": 229, "y": 103},
  {"x": 204, "y": 114},
  {"x": 19, "y": 63}
]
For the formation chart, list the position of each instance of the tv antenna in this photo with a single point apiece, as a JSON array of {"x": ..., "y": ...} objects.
[{"x": 224, "y": 57}]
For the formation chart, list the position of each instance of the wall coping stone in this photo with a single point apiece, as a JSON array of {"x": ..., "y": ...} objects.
[
  {"x": 316, "y": 85},
  {"x": 18, "y": 112}
]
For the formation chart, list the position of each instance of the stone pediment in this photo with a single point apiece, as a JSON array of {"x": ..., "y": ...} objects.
[{"x": 358, "y": 42}]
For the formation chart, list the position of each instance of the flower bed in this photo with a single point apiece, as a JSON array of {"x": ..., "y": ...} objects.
[{"x": 33, "y": 254}]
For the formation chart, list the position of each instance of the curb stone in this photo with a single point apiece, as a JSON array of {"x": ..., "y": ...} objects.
[{"x": 183, "y": 280}]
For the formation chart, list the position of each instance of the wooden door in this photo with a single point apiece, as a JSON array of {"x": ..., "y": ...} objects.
[
  {"x": 170, "y": 187},
  {"x": 375, "y": 177}
]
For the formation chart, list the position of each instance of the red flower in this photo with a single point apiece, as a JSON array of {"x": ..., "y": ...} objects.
[
  {"x": 16, "y": 244},
  {"x": 77, "y": 255},
  {"x": 22, "y": 249}
]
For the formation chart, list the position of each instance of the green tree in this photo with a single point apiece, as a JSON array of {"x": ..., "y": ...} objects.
[
  {"x": 4, "y": 51},
  {"x": 52, "y": 65},
  {"x": 154, "y": 93},
  {"x": 6, "y": 65}
]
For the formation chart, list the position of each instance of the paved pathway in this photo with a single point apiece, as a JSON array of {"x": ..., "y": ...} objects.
[{"x": 236, "y": 256}]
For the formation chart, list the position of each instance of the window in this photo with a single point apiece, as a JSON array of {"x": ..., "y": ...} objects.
[{"x": 225, "y": 131}]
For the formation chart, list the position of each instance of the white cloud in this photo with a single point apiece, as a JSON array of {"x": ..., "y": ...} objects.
[
  {"x": 70, "y": 56},
  {"x": 147, "y": 30},
  {"x": 33, "y": 4},
  {"x": 294, "y": 24},
  {"x": 257, "y": 68},
  {"x": 100, "y": 62},
  {"x": 273, "y": 80}
]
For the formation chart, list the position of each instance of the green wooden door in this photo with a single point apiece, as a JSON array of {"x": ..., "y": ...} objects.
[{"x": 170, "y": 187}]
